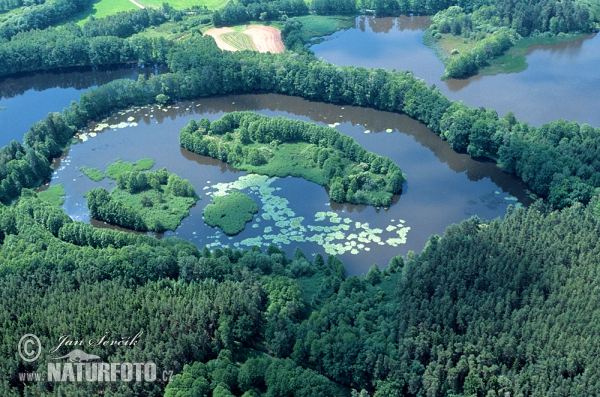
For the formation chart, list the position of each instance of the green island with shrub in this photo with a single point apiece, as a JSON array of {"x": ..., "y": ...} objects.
[
  {"x": 144, "y": 201},
  {"x": 230, "y": 212},
  {"x": 283, "y": 147}
]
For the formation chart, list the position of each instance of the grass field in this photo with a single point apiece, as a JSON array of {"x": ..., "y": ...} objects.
[
  {"x": 449, "y": 42},
  {"x": 320, "y": 25},
  {"x": 166, "y": 212},
  {"x": 241, "y": 41},
  {"x": 55, "y": 194},
  {"x": 104, "y": 8},
  {"x": 289, "y": 159},
  {"x": 513, "y": 60}
]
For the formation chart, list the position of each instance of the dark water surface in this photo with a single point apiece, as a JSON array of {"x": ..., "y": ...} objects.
[
  {"x": 30, "y": 97},
  {"x": 443, "y": 187},
  {"x": 561, "y": 81}
]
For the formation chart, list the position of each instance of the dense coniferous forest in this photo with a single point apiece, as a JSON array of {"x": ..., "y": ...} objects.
[{"x": 491, "y": 308}]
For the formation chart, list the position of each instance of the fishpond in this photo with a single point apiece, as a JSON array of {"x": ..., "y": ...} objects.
[{"x": 443, "y": 187}]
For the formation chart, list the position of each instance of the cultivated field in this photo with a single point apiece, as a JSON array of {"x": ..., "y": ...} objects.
[{"x": 255, "y": 38}]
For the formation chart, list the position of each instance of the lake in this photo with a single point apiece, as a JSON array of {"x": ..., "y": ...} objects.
[
  {"x": 29, "y": 97},
  {"x": 561, "y": 81},
  {"x": 443, "y": 187}
]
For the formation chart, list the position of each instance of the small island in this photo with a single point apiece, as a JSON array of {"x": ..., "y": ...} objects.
[
  {"x": 283, "y": 147},
  {"x": 230, "y": 212},
  {"x": 144, "y": 201}
]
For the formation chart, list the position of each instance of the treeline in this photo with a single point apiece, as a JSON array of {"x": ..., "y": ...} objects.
[
  {"x": 124, "y": 24},
  {"x": 528, "y": 17},
  {"x": 7, "y": 5},
  {"x": 254, "y": 377},
  {"x": 367, "y": 179},
  {"x": 468, "y": 63},
  {"x": 326, "y": 7},
  {"x": 41, "y": 16},
  {"x": 72, "y": 46},
  {"x": 238, "y": 12}
]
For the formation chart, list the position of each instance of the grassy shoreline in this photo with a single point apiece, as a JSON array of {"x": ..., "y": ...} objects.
[{"x": 514, "y": 59}]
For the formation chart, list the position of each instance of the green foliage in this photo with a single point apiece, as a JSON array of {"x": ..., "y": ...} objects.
[
  {"x": 491, "y": 29},
  {"x": 155, "y": 201},
  {"x": 231, "y": 212},
  {"x": 93, "y": 173},
  {"x": 284, "y": 147},
  {"x": 55, "y": 194}
]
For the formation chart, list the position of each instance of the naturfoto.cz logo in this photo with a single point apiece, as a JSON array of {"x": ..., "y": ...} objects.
[{"x": 80, "y": 366}]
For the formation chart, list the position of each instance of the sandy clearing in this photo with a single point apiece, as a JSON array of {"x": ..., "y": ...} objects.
[
  {"x": 216, "y": 34},
  {"x": 265, "y": 38}
]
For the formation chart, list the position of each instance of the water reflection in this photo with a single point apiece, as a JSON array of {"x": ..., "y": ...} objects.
[
  {"x": 561, "y": 80},
  {"x": 29, "y": 97}
]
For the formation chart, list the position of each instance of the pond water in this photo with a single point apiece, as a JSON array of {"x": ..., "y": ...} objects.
[
  {"x": 28, "y": 98},
  {"x": 443, "y": 187},
  {"x": 561, "y": 81}
]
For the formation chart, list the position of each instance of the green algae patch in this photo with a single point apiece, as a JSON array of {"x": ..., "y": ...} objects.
[
  {"x": 93, "y": 173},
  {"x": 55, "y": 194},
  {"x": 231, "y": 212}
]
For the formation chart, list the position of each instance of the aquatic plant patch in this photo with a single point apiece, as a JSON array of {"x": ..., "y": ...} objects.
[
  {"x": 281, "y": 225},
  {"x": 55, "y": 194},
  {"x": 119, "y": 167},
  {"x": 230, "y": 212},
  {"x": 93, "y": 173}
]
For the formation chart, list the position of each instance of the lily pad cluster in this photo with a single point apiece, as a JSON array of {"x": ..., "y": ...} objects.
[{"x": 335, "y": 233}]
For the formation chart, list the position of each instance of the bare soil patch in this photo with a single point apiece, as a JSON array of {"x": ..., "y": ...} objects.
[
  {"x": 264, "y": 38},
  {"x": 216, "y": 34}
]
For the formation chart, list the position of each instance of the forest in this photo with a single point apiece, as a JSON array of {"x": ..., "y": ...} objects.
[{"x": 491, "y": 308}]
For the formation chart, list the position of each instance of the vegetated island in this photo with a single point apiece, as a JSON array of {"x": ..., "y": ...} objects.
[
  {"x": 283, "y": 147},
  {"x": 144, "y": 201},
  {"x": 478, "y": 38},
  {"x": 230, "y": 212}
]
